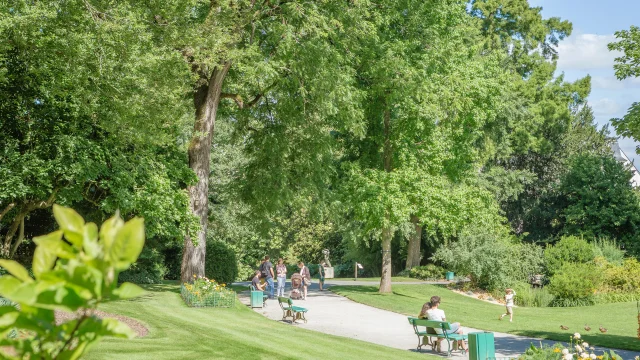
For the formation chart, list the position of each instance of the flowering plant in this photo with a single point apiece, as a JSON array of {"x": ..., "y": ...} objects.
[
  {"x": 207, "y": 292},
  {"x": 576, "y": 350}
]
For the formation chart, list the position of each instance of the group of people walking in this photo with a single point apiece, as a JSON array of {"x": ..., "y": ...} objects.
[{"x": 266, "y": 272}]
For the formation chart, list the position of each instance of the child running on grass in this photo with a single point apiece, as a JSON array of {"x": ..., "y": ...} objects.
[{"x": 508, "y": 298}]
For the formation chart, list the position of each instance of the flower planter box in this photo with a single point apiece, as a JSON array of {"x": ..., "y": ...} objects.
[{"x": 225, "y": 298}]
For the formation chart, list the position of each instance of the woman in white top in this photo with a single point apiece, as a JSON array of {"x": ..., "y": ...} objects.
[{"x": 434, "y": 313}]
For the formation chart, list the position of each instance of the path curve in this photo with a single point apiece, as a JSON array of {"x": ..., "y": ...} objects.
[{"x": 334, "y": 314}]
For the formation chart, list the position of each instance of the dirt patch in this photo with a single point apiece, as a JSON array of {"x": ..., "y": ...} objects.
[{"x": 137, "y": 327}]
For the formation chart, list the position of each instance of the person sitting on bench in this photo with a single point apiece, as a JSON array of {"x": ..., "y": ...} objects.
[
  {"x": 432, "y": 312},
  {"x": 256, "y": 281}
]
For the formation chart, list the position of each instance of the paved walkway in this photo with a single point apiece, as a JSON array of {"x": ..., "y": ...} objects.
[{"x": 333, "y": 314}]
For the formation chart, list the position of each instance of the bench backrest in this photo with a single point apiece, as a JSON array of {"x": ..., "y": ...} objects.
[
  {"x": 285, "y": 300},
  {"x": 428, "y": 323},
  {"x": 253, "y": 288}
]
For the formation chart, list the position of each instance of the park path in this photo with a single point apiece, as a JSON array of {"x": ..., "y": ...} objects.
[{"x": 330, "y": 313}]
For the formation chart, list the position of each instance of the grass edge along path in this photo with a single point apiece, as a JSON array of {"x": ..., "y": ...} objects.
[
  {"x": 179, "y": 332},
  {"x": 620, "y": 319}
]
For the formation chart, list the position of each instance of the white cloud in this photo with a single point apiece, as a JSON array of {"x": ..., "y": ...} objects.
[
  {"x": 606, "y": 107},
  {"x": 586, "y": 52},
  {"x": 612, "y": 83}
]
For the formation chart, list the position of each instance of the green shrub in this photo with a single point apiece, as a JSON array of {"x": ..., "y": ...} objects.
[
  {"x": 427, "y": 272},
  {"x": 220, "y": 262},
  {"x": 625, "y": 278},
  {"x": 532, "y": 297},
  {"x": 570, "y": 249},
  {"x": 612, "y": 297},
  {"x": 574, "y": 283},
  {"x": 149, "y": 269},
  {"x": 526, "y": 259},
  {"x": 172, "y": 254},
  {"x": 404, "y": 273},
  {"x": 609, "y": 250},
  {"x": 479, "y": 255}
]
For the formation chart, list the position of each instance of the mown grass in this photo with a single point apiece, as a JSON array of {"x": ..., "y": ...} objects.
[
  {"x": 377, "y": 279},
  {"x": 180, "y": 332},
  {"x": 620, "y": 319}
]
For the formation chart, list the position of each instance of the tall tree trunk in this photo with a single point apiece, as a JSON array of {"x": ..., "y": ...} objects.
[
  {"x": 385, "y": 280},
  {"x": 413, "y": 251},
  {"x": 206, "y": 100}
]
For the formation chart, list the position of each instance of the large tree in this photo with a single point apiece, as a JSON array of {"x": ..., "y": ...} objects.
[
  {"x": 428, "y": 94},
  {"x": 88, "y": 116}
]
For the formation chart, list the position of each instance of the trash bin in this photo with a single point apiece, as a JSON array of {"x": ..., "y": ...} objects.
[
  {"x": 256, "y": 299},
  {"x": 449, "y": 275},
  {"x": 481, "y": 346}
]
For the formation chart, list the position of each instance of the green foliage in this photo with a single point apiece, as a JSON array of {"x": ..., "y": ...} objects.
[
  {"x": 532, "y": 297},
  {"x": 570, "y": 249},
  {"x": 148, "y": 269},
  {"x": 574, "y": 283},
  {"x": 542, "y": 353},
  {"x": 599, "y": 201},
  {"x": 427, "y": 272},
  {"x": 479, "y": 255},
  {"x": 628, "y": 66},
  {"x": 609, "y": 250},
  {"x": 623, "y": 278},
  {"x": 527, "y": 260},
  {"x": 220, "y": 263},
  {"x": 75, "y": 268},
  {"x": 102, "y": 136}
]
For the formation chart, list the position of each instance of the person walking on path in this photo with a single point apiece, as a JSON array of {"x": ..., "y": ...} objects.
[
  {"x": 508, "y": 299},
  {"x": 281, "y": 271},
  {"x": 267, "y": 269},
  {"x": 434, "y": 313},
  {"x": 321, "y": 275},
  {"x": 306, "y": 278}
]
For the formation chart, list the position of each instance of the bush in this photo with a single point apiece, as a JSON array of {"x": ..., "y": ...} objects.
[
  {"x": 479, "y": 255},
  {"x": 532, "y": 297},
  {"x": 609, "y": 250},
  {"x": 149, "y": 269},
  {"x": 624, "y": 278},
  {"x": 172, "y": 261},
  {"x": 570, "y": 249},
  {"x": 526, "y": 259},
  {"x": 427, "y": 272},
  {"x": 574, "y": 283},
  {"x": 220, "y": 262}
]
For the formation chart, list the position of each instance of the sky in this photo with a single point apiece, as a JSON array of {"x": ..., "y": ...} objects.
[{"x": 585, "y": 53}]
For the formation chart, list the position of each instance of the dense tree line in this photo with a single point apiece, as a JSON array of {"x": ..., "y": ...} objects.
[{"x": 381, "y": 130}]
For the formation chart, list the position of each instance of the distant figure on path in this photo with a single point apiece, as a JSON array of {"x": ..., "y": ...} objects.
[
  {"x": 434, "y": 313},
  {"x": 268, "y": 269},
  {"x": 256, "y": 281},
  {"x": 321, "y": 275},
  {"x": 306, "y": 278},
  {"x": 508, "y": 299},
  {"x": 281, "y": 271}
]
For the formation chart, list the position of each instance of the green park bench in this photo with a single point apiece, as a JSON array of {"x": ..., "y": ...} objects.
[
  {"x": 264, "y": 296},
  {"x": 434, "y": 338},
  {"x": 289, "y": 310}
]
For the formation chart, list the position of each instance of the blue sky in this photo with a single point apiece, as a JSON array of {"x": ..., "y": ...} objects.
[{"x": 585, "y": 52}]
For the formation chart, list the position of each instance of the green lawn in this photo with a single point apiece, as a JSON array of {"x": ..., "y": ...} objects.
[
  {"x": 377, "y": 279},
  {"x": 179, "y": 332},
  {"x": 620, "y": 319}
]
